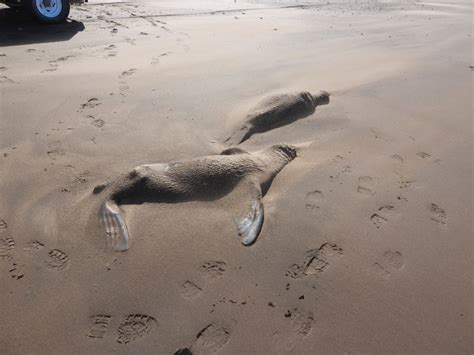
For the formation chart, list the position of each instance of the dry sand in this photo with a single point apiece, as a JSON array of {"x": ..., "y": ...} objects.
[{"x": 367, "y": 240}]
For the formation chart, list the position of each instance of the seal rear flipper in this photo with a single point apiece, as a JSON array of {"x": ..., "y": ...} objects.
[
  {"x": 249, "y": 227},
  {"x": 116, "y": 229}
]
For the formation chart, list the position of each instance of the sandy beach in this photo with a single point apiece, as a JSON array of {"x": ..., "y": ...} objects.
[{"x": 366, "y": 246}]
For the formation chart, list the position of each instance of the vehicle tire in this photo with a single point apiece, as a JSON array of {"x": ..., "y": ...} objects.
[{"x": 48, "y": 11}]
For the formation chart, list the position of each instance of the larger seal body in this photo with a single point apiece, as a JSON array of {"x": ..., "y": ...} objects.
[{"x": 202, "y": 178}]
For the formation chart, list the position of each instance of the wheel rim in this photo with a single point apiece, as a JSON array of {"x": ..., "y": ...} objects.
[{"x": 49, "y": 8}]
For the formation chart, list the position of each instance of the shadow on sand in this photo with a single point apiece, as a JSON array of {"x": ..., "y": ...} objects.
[{"x": 18, "y": 28}]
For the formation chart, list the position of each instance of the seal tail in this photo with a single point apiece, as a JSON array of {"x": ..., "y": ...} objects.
[
  {"x": 112, "y": 219},
  {"x": 249, "y": 227}
]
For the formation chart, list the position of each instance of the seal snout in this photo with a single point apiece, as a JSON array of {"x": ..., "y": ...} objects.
[
  {"x": 287, "y": 151},
  {"x": 321, "y": 98}
]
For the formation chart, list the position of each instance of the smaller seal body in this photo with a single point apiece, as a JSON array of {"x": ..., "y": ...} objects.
[{"x": 276, "y": 111}]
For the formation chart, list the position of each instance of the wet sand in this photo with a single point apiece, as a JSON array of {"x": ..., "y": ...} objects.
[{"x": 367, "y": 240}]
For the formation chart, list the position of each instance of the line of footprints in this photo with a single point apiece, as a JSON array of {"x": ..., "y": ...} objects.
[
  {"x": 366, "y": 185},
  {"x": 135, "y": 326},
  {"x": 54, "y": 259}
]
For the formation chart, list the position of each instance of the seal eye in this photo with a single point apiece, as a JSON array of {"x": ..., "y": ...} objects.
[{"x": 133, "y": 174}]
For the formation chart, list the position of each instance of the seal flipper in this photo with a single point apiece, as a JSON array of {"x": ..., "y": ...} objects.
[
  {"x": 249, "y": 227},
  {"x": 233, "y": 151},
  {"x": 242, "y": 134},
  {"x": 117, "y": 232}
]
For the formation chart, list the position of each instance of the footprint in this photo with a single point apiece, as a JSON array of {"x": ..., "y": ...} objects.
[
  {"x": 383, "y": 215},
  {"x": 90, "y": 103},
  {"x": 438, "y": 214},
  {"x": 99, "y": 326},
  {"x": 6, "y": 80},
  {"x": 55, "y": 151},
  {"x": 6, "y": 248},
  {"x": 82, "y": 177},
  {"x": 190, "y": 290},
  {"x": 389, "y": 262},
  {"x": 135, "y": 326},
  {"x": 405, "y": 184},
  {"x": 346, "y": 169},
  {"x": 423, "y": 155},
  {"x": 7, "y": 243},
  {"x": 123, "y": 88},
  {"x": 366, "y": 185},
  {"x": 3, "y": 226},
  {"x": 33, "y": 247},
  {"x": 110, "y": 50},
  {"x": 51, "y": 68},
  {"x": 15, "y": 271},
  {"x": 156, "y": 60},
  {"x": 57, "y": 260},
  {"x": 302, "y": 322},
  {"x": 61, "y": 59},
  {"x": 315, "y": 261},
  {"x": 99, "y": 123},
  {"x": 128, "y": 72},
  {"x": 210, "y": 340},
  {"x": 313, "y": 199},
  {"x": 213, "y": 270},
  {"x": 397, "y": 158}
]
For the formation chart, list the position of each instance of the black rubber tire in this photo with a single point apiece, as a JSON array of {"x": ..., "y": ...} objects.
[{"x": 30, "y": 6}]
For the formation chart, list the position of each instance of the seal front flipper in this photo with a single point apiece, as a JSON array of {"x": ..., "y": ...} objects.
[
  {"x": 111, "y": 217},
  {"x": 250, "y": 225},
  {"x": 249, "y": 215},
  {"x": 233, "y": 151},
  {"x": 240, "y": 135}
]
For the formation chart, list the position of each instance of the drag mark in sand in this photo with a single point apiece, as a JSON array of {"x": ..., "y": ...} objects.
[
  {"x": 134, "y": 327},
  {"x": 315, "y": 261}
]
